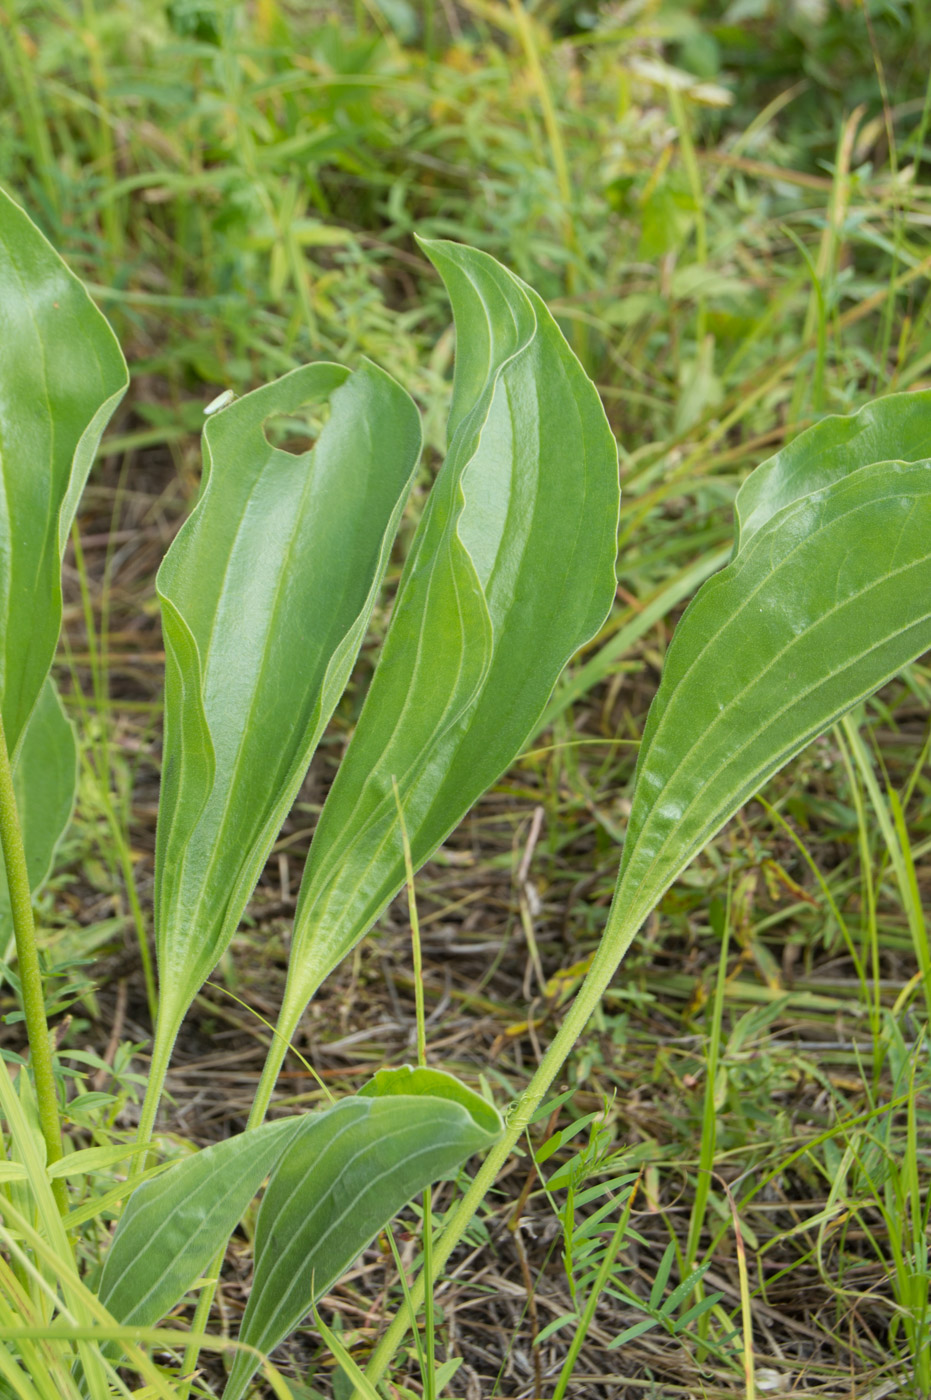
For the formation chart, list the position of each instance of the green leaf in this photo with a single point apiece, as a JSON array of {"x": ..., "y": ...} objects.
[
  {"x": 173, "y": 1225},
  {"x": 827, "y": 597},
  {"x": 346, "y": 1173},
  {"x": 709, "y": 1301},
  {"x": 93, "y": 1159},
  {"x": 662, "y": 1274},
  {"x": 265, "y": 594},
  {"x": 45, "y": 777},
  {"x": 684, "y": 1290},
  {"x": 896, "y": 428},
  {"x": 631, "y": 1333},
  {"x": 63, "y": 375},
  {"x": 409, "y": 1080},
  {"x": 511, "y": 570},
  {"x": 350, "y": 1369},
  {"x": 556, "y": 1325},
  {"x": 445, "y": 1372}
]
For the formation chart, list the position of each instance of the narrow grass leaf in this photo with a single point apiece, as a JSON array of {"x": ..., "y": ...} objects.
[
  {"x": 346, "y": 1173},
  {"x": 511, "y": 570},
  {"x": 92, "y": 1159},
  {"x": 546, "y": 1110},
  {"x": 683, "y": 1290},
  {"x": 593, "y": 1223},
  {"x": 662, "y": 1275},
  {"x": 63, "y": 374},
  {"x": 265, "y": 595},
  {"x": 445, "y": 1372},
  {"x": 631, "y": 1333},
  {"x": 55, "y": 1261},
  {"x": 709, "y": 1301},
  {"x": 349, "y": 1368},
  {"x": 555, "y": 1326}
]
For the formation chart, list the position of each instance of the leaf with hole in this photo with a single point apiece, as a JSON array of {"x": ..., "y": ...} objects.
[
  {"x": 265, "y": 595},
  {"x": 510, "y": 571}
]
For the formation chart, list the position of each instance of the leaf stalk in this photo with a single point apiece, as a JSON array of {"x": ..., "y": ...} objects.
[
  {"x": 30, "y": 974},
  {"x": 162, "y": 1047},
  {"x": 288, "y": 1017}
]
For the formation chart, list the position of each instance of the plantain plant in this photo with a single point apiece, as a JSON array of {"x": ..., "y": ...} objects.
[{"x": 266, "y": 595}]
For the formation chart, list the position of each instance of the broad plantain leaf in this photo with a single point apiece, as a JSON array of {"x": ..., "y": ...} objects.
[
  {"x": 45, "y": 779},
  {"x": 344, "y": 1175},
  {"x": 896, "y": 428},
  {"x": 827, "y": 597},
  {"x": 265, "y": 597},
  {"x": 511, "y": 570},
  {"x": 173, "y": 1225},
  {"x": 336, "y": 1177},
  {"x": 63, "y": 375}
]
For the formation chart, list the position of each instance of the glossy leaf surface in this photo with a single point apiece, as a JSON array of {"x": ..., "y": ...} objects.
[
  {"x": 265, "y": 597},
  {"x": 61, "y": 376},
  {"x": 894, "y": 429},
  {"x": 827, "y": 597},
  {"x": 346, "y": 1173},
  {"x": 511, "y": 570},
  {"x": 173, "y": 1226},
  {"x": 45, "y": 778}
]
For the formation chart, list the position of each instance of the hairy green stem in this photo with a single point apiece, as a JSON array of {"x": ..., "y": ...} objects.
[
  {"x": 30, "y": 974},
  {"x": 288, "y": 1017},
  {"x": 162, "y": 1047},
  {"x": 615, "y": 942}
]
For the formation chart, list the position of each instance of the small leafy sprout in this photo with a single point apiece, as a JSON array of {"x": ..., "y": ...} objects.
[{"x": 221, "y": 401}]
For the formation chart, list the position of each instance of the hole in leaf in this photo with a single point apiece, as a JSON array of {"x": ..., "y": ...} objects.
[{"x": 296, "y": 432}]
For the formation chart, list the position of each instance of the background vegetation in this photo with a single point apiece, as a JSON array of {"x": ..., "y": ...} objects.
[{"x": 728, "y": 208}]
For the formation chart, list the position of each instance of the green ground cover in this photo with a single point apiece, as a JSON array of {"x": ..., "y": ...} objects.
[{"x": 727, "y": 208}]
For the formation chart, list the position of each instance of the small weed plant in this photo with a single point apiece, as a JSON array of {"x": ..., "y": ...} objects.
[{"x": 266, "y": 595}]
